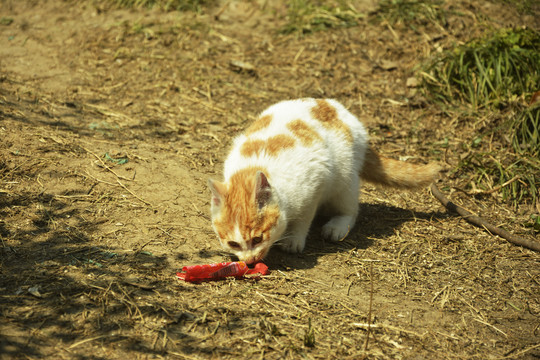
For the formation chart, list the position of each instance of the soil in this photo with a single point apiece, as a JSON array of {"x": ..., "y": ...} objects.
[{"x": 111, "y": 122}]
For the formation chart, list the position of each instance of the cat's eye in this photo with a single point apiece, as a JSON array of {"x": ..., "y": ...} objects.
[
  {"x": 256, "y": 240},
  {"x": 234, "y": 245}
]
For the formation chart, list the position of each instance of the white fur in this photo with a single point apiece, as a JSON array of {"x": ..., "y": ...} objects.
[{"x": 303, "y": 179}]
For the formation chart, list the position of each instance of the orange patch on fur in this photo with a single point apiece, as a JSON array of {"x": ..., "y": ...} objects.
[
  {"x": 259, "y": 124},
  {"x": 327, "y": 115},
  {"x": 303, "y": 132},
  {"x": 240, "y": 208},
  {"x": 252, "y": 147},
  {"x": 279, "y": 142},
  {"x": 271, "y": 146}
]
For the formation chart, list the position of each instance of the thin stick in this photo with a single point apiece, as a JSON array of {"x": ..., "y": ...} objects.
[
  {"x": 132, "y": 303},
  {"x": 370, "y": 306},
  {"x": 119, "y": 184},
  {"x": 203, "y": 103},
  {"x": 389, "y": 327},
  {"x": 88, "y": 340},
  {"x": 521, "y": 352},
  {"x": 491, "y": 326},
  {"x": 216, "y": 16},
  {"x": 105, "y": 165},
  {"x": 132, "y": 193},
  {"x": 492, "y": 190},
  {"x": 98, "y": 180},
  {"x": 498, "y": 187},
  {"x": 478, "y": 221}
]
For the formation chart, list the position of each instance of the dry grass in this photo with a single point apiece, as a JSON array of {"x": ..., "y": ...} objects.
[{"x": 88, "y": 265}]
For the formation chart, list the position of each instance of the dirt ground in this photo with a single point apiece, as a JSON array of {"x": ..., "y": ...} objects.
[{"x": 90, "y": 243}]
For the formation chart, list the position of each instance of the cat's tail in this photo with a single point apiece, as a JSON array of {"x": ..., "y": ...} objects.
[{"x": 395, "y": 173}]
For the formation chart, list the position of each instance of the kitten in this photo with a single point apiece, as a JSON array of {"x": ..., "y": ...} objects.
[{"x": 299, "y": 156}]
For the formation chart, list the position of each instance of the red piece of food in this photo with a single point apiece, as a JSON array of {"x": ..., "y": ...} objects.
[{"x": 208, "y": 272}]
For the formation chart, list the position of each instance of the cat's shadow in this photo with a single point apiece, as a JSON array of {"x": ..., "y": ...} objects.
[{"x": 374, "y": 221}]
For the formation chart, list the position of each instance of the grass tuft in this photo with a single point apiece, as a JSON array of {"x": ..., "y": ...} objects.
[
  {"x": 526, "y": 131},
  {"x": 522, "y": 6},
  {"x": 167, "y": 5},
  {"x": 308, "y": 16},
  {"x": 534, "y": 223},
  {"x": 516, "y": 178},
  {"x": 487, "y": 72},
  {"x": 494, "y": 76},
  {"x": 512, "y": 170},
  {"x": 309, "y": 335},
  {"x": 412, "y": 12}
]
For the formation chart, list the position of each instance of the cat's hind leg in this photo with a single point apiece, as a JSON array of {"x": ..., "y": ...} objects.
[{"x": 344, "y": 205}]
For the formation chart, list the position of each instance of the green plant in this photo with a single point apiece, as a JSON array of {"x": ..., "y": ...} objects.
[
  {"x": 534, "y": 223},
  {"x": 512, "y": 171},
  {"x": 180, "y": 5},
  {"x": 309, "y": 335},
  {"x": 307, "y": 16},
  {"x": 412, "y": 12},
  {"x": 523, "y": 6},
  {"x": 486, "y": 72},
  {"x": 517, "y": 179},
  {"x": 526, "y": 131},
  {"x": 493, "y": 76}
]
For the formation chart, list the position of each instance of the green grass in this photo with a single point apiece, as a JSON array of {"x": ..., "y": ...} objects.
[
  {"x": 486, "y": 72},
  {"x": 523, "y": 6},
  {"x": 511, "y": 163},
  {"x": 526, "y": 131},
  {"x": 308, "y": 16},
  {"x": 534, "y": 223},
  {"x": 493, "y": 77},
  {"x": 412, "y": 13},
  {"x": 517, "y": 178},
  {"x": 180, "y": 5},
  {"x": 309, "y": 335}
]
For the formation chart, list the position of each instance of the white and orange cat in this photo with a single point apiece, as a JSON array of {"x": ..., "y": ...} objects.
[{"x": 297, "y": 157}]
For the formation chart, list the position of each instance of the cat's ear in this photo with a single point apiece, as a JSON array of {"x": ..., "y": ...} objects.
[
  {"x": 263, "y": 190},
  {"x": 218, "y": 190}
]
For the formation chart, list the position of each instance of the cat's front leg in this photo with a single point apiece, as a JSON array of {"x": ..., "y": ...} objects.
[
  {"x": 294, "y": 240},
  {"x": 293, "y": 244},
  {"x": 338, "y": 227}
]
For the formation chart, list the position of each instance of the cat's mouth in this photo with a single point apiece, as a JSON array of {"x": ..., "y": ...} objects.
[{"x": 252, "y": 258}]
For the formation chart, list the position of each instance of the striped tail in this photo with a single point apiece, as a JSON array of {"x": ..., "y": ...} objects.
[{"x": 395, "y": 173}]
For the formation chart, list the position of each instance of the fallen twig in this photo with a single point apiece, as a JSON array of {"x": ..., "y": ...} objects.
[
  {"x": 478, "y": 221},
  {"x": 90, "y": 339},
  {"x": 388, "y": 327},
  {"x": 105, "y": 165},
  {"x": 132, "y": 193},
  {"x": 370, "y": 307},
  {"x": 119, "y": 184}
]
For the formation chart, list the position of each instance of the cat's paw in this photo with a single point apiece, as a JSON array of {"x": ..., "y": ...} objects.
[
  {"x": 293, "y": 245},
  {"x": 337, "y": 228}
]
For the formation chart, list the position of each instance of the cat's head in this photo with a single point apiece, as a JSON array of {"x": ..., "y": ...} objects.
[{"x": 246, "y": 215}]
